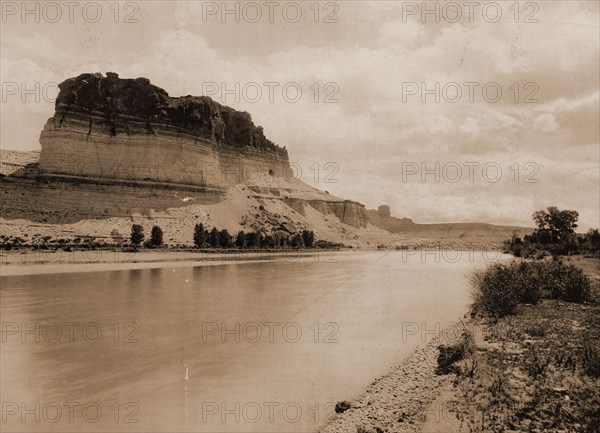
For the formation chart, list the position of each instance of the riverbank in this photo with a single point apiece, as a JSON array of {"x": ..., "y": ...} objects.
[
  {"x": 50, "y": 262},
  {"x": 403, "y": 399},
  {"x": 537, "y": 371}
]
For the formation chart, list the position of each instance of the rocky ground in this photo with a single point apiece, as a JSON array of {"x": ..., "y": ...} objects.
[{"x": 402, "y": 400}]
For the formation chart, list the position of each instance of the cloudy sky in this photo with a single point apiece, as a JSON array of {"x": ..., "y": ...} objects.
[{"x": 466, "y": 113}]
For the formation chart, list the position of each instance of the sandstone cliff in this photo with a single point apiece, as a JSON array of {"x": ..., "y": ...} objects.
[
  {"x": 129, "y": 129},
  {"x": 128, "y": 146}
]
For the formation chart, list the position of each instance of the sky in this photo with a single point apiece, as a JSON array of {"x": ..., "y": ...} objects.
[{"x": 445, "y": 111}]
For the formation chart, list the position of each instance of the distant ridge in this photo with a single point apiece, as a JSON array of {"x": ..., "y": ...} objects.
[{"x": 469, "y": 232}]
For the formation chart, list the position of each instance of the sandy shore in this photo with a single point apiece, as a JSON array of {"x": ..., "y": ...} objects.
[
  {"x": 407, "y": 399},
  {"x": 52, "y": 262}
]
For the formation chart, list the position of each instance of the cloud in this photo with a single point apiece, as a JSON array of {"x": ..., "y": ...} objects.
[{"x": 365, "y": 61}]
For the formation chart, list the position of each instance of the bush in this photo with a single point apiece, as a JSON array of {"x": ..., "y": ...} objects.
[
  {"x": 573, "y": 285},
  {"x": 500, "y": 288},
  {"x": 495, "y": 291},
  {"x": 517, "y": 250}
]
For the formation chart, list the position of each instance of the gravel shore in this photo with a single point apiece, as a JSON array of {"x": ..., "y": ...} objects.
[{"x": 401, "y": 400}]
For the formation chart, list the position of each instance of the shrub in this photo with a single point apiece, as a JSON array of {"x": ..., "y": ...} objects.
[
  {"x": 535, "y": 330},
  {"x": 517, "y": 250},
  {"x": 116, "y": 236},
  {"x": 573, "y": 284},
  {"x": 537, "y": 365},
  {"x": 500, "y": 288},
  {"x": 566, "y": 282}
]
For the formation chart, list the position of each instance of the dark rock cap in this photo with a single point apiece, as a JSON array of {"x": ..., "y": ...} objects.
[{"x": 118, "y": 100}]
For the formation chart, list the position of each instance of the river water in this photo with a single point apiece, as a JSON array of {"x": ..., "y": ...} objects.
[{"x": 240, "y": 347}]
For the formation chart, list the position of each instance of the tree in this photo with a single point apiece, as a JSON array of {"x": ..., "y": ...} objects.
[
  {"x": 260, "y": 240},
  {"x": 214, "y": 237},
  {"x": 308, "y": 237},
  {"x": 560, "y": 223},
  {"x": 137, "y": 234},
  {"x": 593, "y": 238},
  {"x": 284, "y": 241},
  {"x": 297, "y": 242},
  {"x": 540, "y": 236},
  {"x": 200, "y": 235},
  {"x": 269, "y": 242},
  {"x": 240, "y": 239},
  {"x": 224, "y": 238},
  {"x": 251, "y": 240},
  {"x": 156, "y": 236}
]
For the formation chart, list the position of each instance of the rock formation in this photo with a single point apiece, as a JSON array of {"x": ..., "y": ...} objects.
[
  {"x": 384, "y": 211},
  {"x": 383, "y": 219},
  {"x": 111, "y": 131},
  {"x": 129, "y": 129}
]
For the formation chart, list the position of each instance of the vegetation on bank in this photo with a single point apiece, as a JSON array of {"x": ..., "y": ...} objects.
[
  {"x": 555, "y": 235},
  {"x": 501, "y": 288},
  {"x": 222, "y": 239},
  {"x": 204, "y": 239},
  {"x": 530, "y": 358}
]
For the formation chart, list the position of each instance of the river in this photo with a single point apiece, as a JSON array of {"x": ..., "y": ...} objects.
[{"x": 238, "y": 347}]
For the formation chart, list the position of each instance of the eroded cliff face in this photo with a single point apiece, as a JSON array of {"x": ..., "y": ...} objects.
[
  {"x": 130, "y": 133},
  {"x": 348, "y": 211},
  {"x": 129, "y": 129}
]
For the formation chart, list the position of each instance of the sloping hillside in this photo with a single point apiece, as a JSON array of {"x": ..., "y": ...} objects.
[{"x": 476, "y": 233}]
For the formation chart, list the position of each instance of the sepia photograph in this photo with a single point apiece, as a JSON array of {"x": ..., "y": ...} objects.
[{"x": 309, "y": 216}]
